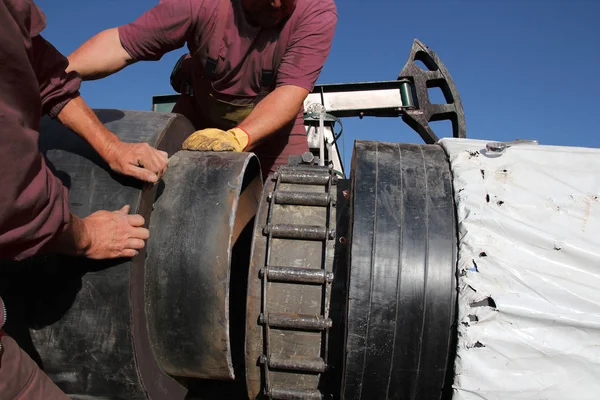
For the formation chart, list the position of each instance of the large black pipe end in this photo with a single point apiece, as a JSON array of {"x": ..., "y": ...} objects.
[
  {"x": 402, "y": 282},
  {"x": 96, "y": 327},
  {"x": 201, "y": 216},
  {"x": 78, "y": 318}
]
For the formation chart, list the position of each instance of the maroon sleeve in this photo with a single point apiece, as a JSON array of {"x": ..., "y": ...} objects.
[
  {"x": 163, "y": 28},
  {"x": 34, "y": 206},
  {"x": 57, "y": 87},
  {"x": 308, "y": 50},
  {"x": 38, "y": 208}
]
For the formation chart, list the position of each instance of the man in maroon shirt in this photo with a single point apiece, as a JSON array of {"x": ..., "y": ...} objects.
[
  {"x": 251, "y": 64},
  {"x": 34, "y": 210}
]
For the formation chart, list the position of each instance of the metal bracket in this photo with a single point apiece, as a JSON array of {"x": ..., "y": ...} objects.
[
  {"x": 437, "y": 76},
  {"x": 500, "y": 147}
]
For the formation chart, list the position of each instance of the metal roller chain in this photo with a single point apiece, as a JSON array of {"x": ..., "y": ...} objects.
[{"x": 290, "y": 281}]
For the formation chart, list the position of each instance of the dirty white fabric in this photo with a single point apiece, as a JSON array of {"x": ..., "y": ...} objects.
[{"x": 529, "y": 272}]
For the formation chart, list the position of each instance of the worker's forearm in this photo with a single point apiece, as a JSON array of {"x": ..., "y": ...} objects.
[
  {"x": 100, "y": 56},
  {"x": 78, "y": 117},
  {"x": 73, "y": 241},
  {"x": 274, "y": 112}
]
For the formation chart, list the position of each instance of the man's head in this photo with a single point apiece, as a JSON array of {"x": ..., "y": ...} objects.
[{"x": 268, "y": 13}]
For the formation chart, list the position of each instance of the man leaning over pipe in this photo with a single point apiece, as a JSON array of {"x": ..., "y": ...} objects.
[
  {"x": 34, "y": 208},
  {"x": 250, "y": 66}
]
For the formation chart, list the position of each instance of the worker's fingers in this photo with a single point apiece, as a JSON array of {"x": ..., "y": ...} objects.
[
  {"x": 135, "y": 244},
  {"x": 198, "y": 141},
  {"x": 148, "y": 161},
  {"x": 135, "y": 220},
  {"x": 162, "y": 161},
  {"x": 221, "y": 145},
  {"x": 160, "y": 156},
  {"x": 141, "y": 173},
  {"x": 128, "y": 253},
  {"x": 208, "y": 144},
  {"x": 139, "y": 233},
  {"x": 125, "y": 209}
]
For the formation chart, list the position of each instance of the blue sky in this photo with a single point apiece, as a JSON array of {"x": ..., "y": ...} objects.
[{"x": 524, "y": 69}]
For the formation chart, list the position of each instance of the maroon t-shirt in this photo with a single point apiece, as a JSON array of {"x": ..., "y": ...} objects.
[
  {"x": 33, "y": 202},
  {"x": 173, "y": 23},
  {"x": 303, "y": 44}
]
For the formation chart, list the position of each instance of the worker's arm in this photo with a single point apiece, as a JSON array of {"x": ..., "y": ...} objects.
[
  {"x": 61, "y": 99},
  {"x": 274, "y": 112},
  {"x": 103, "y": 234},
  {"x": 133, "y": 159},
  {"x": 300, "y": 67},
  {"x": 100, "y": 56},
  {"x": 35, "y": 215},
  {"x": 163, "y": 28}
]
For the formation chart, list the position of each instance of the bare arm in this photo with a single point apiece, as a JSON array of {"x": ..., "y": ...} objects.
[
  {"x": 139, "y": 160},
  {"x": 274, "y": 112},
  {"x": 100, "y": 56},
  {"x": 78, "y": 117},
  {"x": 161, "y": 29}
]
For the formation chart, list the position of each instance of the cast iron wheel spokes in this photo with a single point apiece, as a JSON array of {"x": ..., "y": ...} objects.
[{"x": 437, "y": 76}]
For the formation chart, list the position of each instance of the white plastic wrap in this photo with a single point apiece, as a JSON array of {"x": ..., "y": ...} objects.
[{"x": 529, "y": 272}]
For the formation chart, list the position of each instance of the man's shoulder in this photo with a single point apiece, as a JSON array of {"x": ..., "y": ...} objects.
[
  {"x": 203, "y": 8},
  {"x": 309, "y": 11},
  {"x": 310, "y": 7}
]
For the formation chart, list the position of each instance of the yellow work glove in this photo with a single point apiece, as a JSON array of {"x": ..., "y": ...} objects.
[{"x": 213, "y": 139}]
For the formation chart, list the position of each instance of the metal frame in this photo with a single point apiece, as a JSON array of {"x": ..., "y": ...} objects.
[
  {"x": 375, "y": 99},
  {"x": 406, "y": 97}
]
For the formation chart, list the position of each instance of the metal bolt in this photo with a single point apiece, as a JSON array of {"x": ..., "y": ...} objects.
[
  {"x": 332, "y": 234},
  {"x": 343, "y": 240},
  {"x": 346, "y": 194},
  {"x": 267, "y": 229},
  {"x": 329, "y": 277},
  {"x": 270, "y": 197},
  {"x": 308, "y": 157}
]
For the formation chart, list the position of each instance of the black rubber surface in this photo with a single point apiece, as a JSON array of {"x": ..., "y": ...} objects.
[
  {"x": 208, "y": 200},
  {"x": 84, "y": 321},
  {"x": 402, "y": 288}
]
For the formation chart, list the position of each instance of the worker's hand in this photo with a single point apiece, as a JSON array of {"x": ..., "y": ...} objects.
[
  {"x": 217, "y": 140},
  {"x": 112, "y": 234},
  {"x": 138, "y": 160}
]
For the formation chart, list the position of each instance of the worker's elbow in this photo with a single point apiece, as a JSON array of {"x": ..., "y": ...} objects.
[
  {"x": 100, "y": 56},
  {"x": 118, "y": 48},
  {"x": 291, "y": 95},
  {"x": 295, "y": 91}
]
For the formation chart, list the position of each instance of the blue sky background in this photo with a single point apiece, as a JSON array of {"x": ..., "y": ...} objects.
[{"x": 524, "y": 69}]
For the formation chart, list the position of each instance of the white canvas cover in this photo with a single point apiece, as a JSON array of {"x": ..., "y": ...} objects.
[{"x": 529, "y": 271}]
